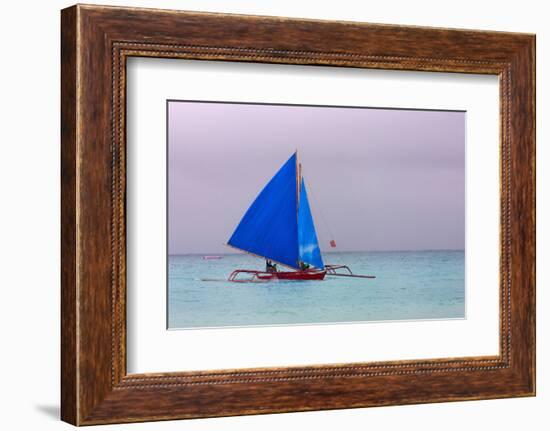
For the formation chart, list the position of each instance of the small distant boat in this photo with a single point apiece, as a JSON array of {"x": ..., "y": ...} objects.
[
  {"x": 211, "y": 257},
  {"x": 279, "y": 228}
]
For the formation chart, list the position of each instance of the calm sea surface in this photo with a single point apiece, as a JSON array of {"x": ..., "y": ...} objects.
[{"x": 408, "y": 285}]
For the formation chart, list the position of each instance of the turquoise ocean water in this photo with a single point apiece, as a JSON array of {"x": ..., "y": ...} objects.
[{"x": 408, "y": 285}]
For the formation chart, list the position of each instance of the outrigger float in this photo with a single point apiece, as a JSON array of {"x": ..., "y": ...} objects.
[{"x": 279, "y": 228}]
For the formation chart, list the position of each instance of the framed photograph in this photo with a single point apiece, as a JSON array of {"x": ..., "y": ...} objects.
[{"x": 264, "y": 215}]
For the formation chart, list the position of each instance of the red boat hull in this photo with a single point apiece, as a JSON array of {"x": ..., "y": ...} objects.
[
  {"x": 262, "y": 276},
  {"x": 293, "y": 275}
]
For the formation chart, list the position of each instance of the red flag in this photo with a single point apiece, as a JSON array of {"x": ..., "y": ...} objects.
[{"x": 332, "y": 243}]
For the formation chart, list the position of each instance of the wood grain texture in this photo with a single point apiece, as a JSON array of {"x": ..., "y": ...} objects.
[
  {"x": 69, "y": 365},
  {"x": 96, "y": 41}
]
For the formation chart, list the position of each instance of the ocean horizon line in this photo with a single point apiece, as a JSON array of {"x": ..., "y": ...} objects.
[{"x": 236, "y": 253}]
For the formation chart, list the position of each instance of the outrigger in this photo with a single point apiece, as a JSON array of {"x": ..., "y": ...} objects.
[{"x": 278, "y": 227}]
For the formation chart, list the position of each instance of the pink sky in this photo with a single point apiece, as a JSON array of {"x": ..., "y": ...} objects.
[{"x": 383, "y": 179}]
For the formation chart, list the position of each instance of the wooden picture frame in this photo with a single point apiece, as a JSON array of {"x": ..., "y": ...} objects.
[{"x": 95, "y": 43}]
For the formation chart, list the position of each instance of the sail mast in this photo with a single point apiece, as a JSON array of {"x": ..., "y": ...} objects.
[
  {"x": 298, "y": 176},
  {"x": 298, "y": 190}
]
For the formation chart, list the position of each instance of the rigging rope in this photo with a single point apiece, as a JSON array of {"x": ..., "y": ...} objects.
[{"x": 319, "y": 211}]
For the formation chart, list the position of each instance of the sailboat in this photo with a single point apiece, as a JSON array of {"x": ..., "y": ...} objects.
[{"x": 278, "y": 227}]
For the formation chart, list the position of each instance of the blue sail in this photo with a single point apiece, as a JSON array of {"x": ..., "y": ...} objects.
[
  {"x": 270, "y": 227},
  {"x": 308, "y": 245}
]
